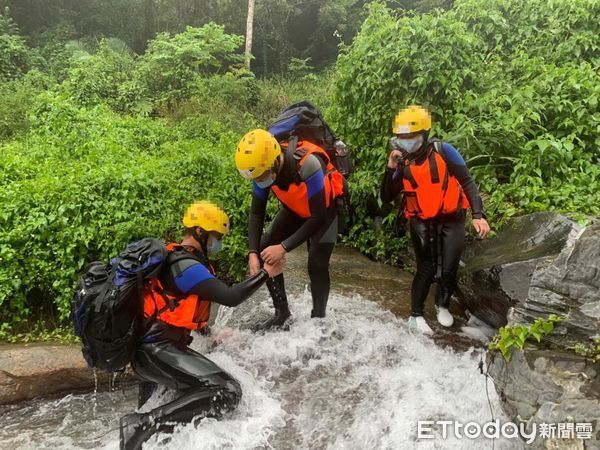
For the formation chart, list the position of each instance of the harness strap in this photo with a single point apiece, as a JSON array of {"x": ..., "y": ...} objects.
[
  {"x": 440, "y": 251},
  {"x": 433, "y": 169},
  {"x": 409, "y": 176},
  {"x": 434, "y": 230}
]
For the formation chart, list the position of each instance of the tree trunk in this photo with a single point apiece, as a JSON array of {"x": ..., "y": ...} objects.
[{"x": 249, "y": 23}]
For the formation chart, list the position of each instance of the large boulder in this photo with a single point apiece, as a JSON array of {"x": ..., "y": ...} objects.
[
  {"x": 28, "y": 371},
  {"x": 496, "y": 272},
  {"x": 570, "y": 287}
]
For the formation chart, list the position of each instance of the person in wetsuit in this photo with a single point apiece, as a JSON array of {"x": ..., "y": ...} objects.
[
  {"x": 175, "y": 304},
  {"x": 303, "y": 178},
  {"x": 438, "y": 189}
]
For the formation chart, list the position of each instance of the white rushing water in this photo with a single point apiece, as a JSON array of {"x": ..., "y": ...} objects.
[{"x": 356, "y": 380}]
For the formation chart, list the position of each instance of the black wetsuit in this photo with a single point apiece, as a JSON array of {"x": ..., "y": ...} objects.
[
  {"x": 291, "y": 230},
  {"x": 163, "y": 357},
  {"x": 438, "y": 243}
]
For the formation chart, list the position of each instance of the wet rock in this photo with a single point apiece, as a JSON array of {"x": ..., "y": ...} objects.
[
  {"x": 497, "y": 272},
  {"x": 29, "y": 371},
  {"x": 569, "y": 286},
  {"x": 549, "y": 383},
  {"x": 547, "y": 386}
]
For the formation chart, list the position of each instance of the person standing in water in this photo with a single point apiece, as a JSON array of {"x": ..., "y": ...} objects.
[
  {"x": 303, "y": 178},
  {"x": 438, "y": 189}
]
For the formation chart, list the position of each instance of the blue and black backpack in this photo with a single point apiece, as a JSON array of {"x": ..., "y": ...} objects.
[
  {"x": 108, "y": 303},
  {"x": 304, "y": 121}
]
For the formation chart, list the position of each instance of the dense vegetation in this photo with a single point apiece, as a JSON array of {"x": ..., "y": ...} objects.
[{"x": 109, "y": 126}]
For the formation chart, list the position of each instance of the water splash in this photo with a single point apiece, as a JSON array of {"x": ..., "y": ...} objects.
[{"x": 95, "y": 397}]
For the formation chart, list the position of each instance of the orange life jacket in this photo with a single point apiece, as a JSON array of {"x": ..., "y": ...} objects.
[
  {"x": 296, "y": 196},
  {"x": 186, "y": 312},
  {"x": 429, "y": 188}
]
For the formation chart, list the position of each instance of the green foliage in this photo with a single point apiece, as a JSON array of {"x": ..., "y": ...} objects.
[
  {"x": 230, "y": 97},
  {"x": 15, "y": 56},
  {"x": 84, "y": 182},
  {"x": 40, "y": 331},
  {"x": 590, "y": 351},
  {"x": 99, "y": 77},
  {"x": 173, "y": 66},
  {"x": 514, "y": 86},
  {"x": 301, "y": 68},
  {"x": 514, "y": 336},
  {"x": 16, "y": 98},
  {"x": 283, "y": 29}
]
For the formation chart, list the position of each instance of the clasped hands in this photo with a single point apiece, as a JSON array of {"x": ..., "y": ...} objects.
[{"x": 273, "y": 258}]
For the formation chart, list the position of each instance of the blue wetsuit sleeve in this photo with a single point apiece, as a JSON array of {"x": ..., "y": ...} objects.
[
  {"x": 458, "y": 167},
  {"x": 315, "y": 184},
  {"x": 262, "y": 193},
  {"x": 190, "y": 277}
]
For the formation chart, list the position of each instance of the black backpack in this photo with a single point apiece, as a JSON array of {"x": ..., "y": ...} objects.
[
  {"x": 304, "y": 121},
  {"x": 108, "y": 303}
]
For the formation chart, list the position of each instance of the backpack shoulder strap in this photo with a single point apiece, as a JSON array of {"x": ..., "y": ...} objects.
[
  {"x": 438, "y": 145},
  {"x": 180, "y": 259},
  {"x": 293, "y": 155},
  {"x": 322, "y": 156}
]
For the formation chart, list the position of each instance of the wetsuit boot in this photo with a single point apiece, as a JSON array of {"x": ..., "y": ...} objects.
[{"x": 282, "y": 312}]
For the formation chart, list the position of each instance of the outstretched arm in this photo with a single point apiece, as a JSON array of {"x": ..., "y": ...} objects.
[{"x": 195, "y": 278}]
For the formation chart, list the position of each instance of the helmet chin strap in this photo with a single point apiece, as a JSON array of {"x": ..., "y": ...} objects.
[{"x": 201, "y": 238}]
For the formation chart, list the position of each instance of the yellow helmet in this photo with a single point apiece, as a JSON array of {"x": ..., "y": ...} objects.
[
  {"x": 256, "y": 153},
  {"x": 411, "y": 120},
  {"x": 207, "y": 216}
]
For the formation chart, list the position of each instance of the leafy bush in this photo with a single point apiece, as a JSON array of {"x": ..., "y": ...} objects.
[
  {"x": 228, "y": 98},
  {"x": 514, "y": 336},
  {"x": 16, "y": 98},
  {"x": 99, "y": 77},
  {"x": 172, "y": 66},
  {"x": 15, "y": 56}
]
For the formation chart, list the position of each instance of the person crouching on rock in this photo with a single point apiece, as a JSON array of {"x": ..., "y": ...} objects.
[
  {"x": 438, "y": 189},
  {"x": 179, "y": 303}
]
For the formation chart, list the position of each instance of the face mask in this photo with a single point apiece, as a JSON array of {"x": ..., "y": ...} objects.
[
  {"x": 213, "y": 245},
  {"x": 409, "y": 146}
]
